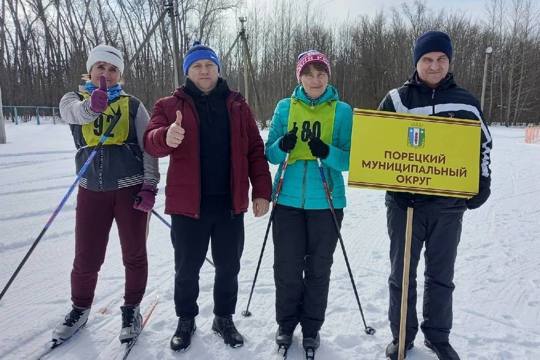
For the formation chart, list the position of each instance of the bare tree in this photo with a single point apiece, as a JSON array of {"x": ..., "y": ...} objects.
[{"x": 44, "y": 45}]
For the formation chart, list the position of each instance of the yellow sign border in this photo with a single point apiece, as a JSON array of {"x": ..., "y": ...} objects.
[{"x": 416, "y": 118}]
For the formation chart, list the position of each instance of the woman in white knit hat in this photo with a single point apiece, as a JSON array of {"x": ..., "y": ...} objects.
[{"x": 120, "y": 185}]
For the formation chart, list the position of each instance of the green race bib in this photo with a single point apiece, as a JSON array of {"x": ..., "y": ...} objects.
[
  {"x": 317, "y": 120},
  {"x": 93, "y": 131}
]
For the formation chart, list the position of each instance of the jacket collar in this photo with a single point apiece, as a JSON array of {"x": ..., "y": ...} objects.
[
  {"x": 330, "y": 94},
  {"x": 230, "y": 96},
  {"x": 221, "y": 90}
]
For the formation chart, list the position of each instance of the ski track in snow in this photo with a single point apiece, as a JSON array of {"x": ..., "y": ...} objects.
[{"x": 496, "y": 301}]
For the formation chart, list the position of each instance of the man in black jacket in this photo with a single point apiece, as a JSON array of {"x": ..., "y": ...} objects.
[{"x": 431, "y": 90}]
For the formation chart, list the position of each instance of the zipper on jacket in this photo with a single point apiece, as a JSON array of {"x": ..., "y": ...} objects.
[
  {"x": 232, "y": 169},
  {"x": 200, "y": 175},
  {"x": 433, "y": 102},
  {"x": 198, "y": 121},
  {"x": 100, "y": 171},
  {"x": 304, "y": 184}
]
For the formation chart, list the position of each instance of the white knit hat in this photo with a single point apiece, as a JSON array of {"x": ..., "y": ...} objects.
[{"x": 107, "y": 54}]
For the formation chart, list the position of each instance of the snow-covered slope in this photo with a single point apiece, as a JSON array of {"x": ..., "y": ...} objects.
[{"x": 497, "y": 297}]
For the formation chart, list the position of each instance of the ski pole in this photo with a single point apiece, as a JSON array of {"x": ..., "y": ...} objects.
[
  {"x": 169, "y": 226},
  {"x": 246, "y": 312},
  {"x": 83, "y": 170},
  {"x": 368, "y": 329}
]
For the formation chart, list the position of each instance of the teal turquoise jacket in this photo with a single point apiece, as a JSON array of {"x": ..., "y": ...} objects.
[{"x": 302, "y": 184}]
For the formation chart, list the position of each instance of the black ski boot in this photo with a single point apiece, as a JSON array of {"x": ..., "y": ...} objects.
[
  {"x": 131, "y": 323},
  {"x": 311, "y": 343},
  {"x": 392, "y": 350},
  {"x": 443, "y": 350},
  {"x": 283, "y": 340},
  {"x": 181, "y": 339},
  {"x": 224, "y": 327}
]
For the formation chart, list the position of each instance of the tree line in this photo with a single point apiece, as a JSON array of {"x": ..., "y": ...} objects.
[{"x": 44, "y": 45}]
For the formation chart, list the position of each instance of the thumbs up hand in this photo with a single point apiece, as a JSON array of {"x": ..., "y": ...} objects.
[
  {"x": 98, "y": 99},
  {"x": 175, "y": 134}
]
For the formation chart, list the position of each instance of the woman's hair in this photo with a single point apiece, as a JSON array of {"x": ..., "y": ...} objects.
[{"x": 317, "y": 66}]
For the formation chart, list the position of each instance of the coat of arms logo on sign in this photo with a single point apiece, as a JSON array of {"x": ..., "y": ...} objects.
[{"x": 417, "y": 137}]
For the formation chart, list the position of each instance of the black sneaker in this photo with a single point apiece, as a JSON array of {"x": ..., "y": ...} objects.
[
  {"x": 443, "y": 350},
  {"x": 284, "y": 337},
  {"x": 224, "y": 327},
  {"x": 311, "y": 341},
  {"x": 181, "y": 339},
  {"x": 392, "y": 349}
]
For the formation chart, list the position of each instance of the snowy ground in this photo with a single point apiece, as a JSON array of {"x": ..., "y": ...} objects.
[{"x": 497, "y": 297}]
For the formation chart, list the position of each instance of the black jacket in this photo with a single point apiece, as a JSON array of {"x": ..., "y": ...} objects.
[
  {"x": 214, "y": 137},
  {"x": 447, "y": 100}
]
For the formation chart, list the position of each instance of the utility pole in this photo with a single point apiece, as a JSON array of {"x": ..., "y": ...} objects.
[
  {"x": 249, "y": 72},
  {"x": 489, "y": 50},
  {"x": 2, "y": 122},
  {"x": 243, "y": 36},
  {"x": 169, "y": 7}
]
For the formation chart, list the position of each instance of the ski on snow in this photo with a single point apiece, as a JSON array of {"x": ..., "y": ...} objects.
[
  {"x": 53, "y": 344},
  {"x": 50, "y": 348},
  {"x": 283, "y": 350},
  {"x": 310, "y": 353},
  {"x": 129, "y": 346}
]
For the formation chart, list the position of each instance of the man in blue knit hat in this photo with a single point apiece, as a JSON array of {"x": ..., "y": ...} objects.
[
  {"x": 215, "y": 151},
  {"x": 431, "y": 90}
]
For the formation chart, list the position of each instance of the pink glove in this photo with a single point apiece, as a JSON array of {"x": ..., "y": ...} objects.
[
  {"x": 99, "y": 98},
  {"x": 146, "y": 197}
]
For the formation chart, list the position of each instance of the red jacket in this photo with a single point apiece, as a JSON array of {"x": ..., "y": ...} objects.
[{"x": 183, "y": 189}]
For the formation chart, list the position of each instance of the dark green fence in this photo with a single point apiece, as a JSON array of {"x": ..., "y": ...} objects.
[{"x": 38, "y": 114}]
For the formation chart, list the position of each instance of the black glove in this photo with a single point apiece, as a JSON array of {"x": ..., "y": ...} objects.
[
  {"x": 318, "y": 148},
  {"x": 288, "y": 141},
  {"x": 483, "y": 194}
]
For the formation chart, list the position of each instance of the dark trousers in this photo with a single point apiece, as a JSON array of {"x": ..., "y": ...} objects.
[
  {"x": 94, "y": 216},
  {"x": 190, "y": 238},
  {"x": 440, "y": 231},
  {"x": 304, "y": 244}
]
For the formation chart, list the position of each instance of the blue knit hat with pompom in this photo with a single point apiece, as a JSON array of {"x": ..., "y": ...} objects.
[{"x": 199, "y": 52}]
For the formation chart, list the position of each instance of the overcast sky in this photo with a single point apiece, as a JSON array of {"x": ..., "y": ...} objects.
[{"x": 339, "y": 10}]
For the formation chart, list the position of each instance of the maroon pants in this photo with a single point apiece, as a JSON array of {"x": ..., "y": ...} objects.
[{"x": 94, "y": 216}]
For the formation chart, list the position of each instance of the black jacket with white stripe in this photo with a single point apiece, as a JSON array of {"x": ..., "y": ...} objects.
[{"x": 447, "y": 100}]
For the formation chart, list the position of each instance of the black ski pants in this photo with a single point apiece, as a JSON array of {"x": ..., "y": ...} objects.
[
  {"x": 439, "y": 230},
  {"x": 190, "y": 238},
  {"x": 304, "y": 244}
]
